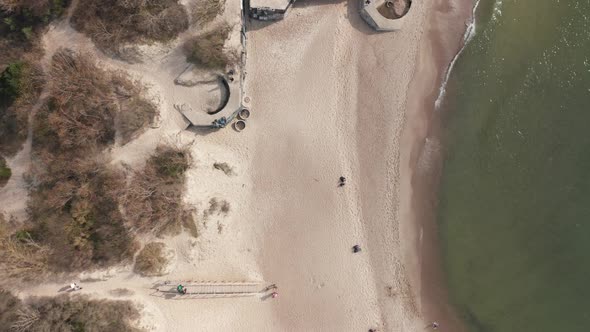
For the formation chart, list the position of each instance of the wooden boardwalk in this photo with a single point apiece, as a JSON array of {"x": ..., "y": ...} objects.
[{"x": 212, "y": 289}]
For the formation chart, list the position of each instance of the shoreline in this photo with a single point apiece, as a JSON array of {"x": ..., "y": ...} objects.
[{"x": 422, "y": 161}]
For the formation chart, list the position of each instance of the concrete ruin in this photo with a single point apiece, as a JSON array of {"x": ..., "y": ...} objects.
[
  {"x": 381, "y": 15},
  {"x": 219, "y": 96},
  {"x": 385, "y": 15},
  {"x": 268, "y": 10}
]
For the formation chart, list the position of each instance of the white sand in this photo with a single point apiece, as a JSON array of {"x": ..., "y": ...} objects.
[{"x": 328, "y": 99}]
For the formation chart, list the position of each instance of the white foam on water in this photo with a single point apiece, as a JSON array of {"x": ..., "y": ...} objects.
[{"x": 469, "y": 33}]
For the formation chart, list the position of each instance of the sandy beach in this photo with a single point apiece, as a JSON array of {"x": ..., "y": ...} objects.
[
  {"x": 336, "y": 105},
  {"x": 329, "y": 97}
]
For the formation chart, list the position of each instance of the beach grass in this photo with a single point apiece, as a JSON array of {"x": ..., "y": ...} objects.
[{"x": 151, "y": 260}]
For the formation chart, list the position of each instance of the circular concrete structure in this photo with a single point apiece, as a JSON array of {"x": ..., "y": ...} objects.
[
  {"x": 244, "y": 114},
  {"x": 385, "y": 15},
  {"x": 239, "y": 125}
]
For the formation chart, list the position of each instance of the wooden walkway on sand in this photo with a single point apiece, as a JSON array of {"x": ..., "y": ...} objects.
[{"x": 211, "y": 289}]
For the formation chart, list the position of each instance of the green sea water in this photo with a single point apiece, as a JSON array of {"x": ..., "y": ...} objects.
[{"x": 514, "y": 201}]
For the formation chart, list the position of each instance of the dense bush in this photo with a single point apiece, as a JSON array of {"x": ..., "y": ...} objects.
[
  {"x": 74, "y": 205},
  {"x": 65, "y": 313},
  {"x": 205, "y": 11},
  {"x": 112, "y": 23},
  {"x": 153, "y": 201},
  {"x": 74, "y": 211},
  {"x": 206, "y": 50},
  {"x": 20, "y": 85},
  {"x": 84, "y": 103},
  {"x": 21, "y": 23},
  {"x": 5, "y": 172},
  {"x": 151, "y": 260},
  {"x": 22, "y": 258}
]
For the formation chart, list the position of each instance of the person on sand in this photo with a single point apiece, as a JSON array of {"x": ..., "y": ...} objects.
[
  {"x": 434, "y": 325},
  {"x": 356, "y": 248},
  {"x": 342, "y": 181},
  {"x": 274, "y": 295}
]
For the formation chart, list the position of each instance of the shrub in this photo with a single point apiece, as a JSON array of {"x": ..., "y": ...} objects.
[
  {"x": 21, "y": 24},
  {"x": 225, "y": 168},
  {"x": 216, "y": 207},
  {"x": 151, "y": 261},
  {"x": 85, "y": 101},
  {"x": 5, "y": 172},
  {"x": 153, "y": 201},
  {"x": 74, "y": 207},
  {"x": 9, "y": 309},
  {"x": 205, "y": 11},
  {"x": 206, "y": 50},
  {"x": 21, "y": 256},
  {"x": 74, "y": 210},
  {"x": 20, "y": 86},
  {"x": 112, "y": 23},
  {"x": 65, "y": 313}
]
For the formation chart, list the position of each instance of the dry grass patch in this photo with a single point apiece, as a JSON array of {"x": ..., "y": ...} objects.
[
  {"x": 21, "y": 257},
  {"x": 65, "y": 313},
  {"x": 21, "y": 25},
  {"x": 151, "y": 260},
  {"x": 225, "y": 168},
  {"x": 153, "y": 201},
  {"x": 85, "y": 103},
  {"x": 113, "y": 23},
  {"x": 205, "y": 11},
  {"x": 207, "y": 50},
  {"x": 217, "y": 207},
  {"x": 74, "y": 210},
  {"x": 74, "y": 207}
]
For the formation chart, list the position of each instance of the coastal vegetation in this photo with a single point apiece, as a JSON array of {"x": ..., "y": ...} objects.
[
  {"x": 74, "y": 203},
  {"x": 153, "y": 201},
  {"x": 207, "y": 49},
  {"x": 225, "y": 168},
  {"x": 84, "y": 212},
  {"x": 151, "y": 260},
  {"x": 65, "y": 313},
  {"x": 21, "y": 25},
  {"x": 20, "y": 256},
  {"x": 20, "y": 86},
  {"x": 5, "y": 172},
  {"x": 205, "y": 11},
  {"x": 113, "y": 23}
]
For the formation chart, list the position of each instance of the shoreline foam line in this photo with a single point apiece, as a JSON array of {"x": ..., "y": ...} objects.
[{"x": 469, "y": 33}]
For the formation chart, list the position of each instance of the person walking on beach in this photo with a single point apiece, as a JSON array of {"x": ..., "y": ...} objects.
[
  {"x": 342, "y": 181},
  {"x": 434, "y": 325},
  {"x": 356, "y": 248}
]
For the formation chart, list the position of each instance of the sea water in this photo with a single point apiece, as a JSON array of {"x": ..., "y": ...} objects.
[{"x": 514, "y": 200}]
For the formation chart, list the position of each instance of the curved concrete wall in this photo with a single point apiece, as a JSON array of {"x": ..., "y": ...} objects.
[{"x": 372, "y": 16}]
